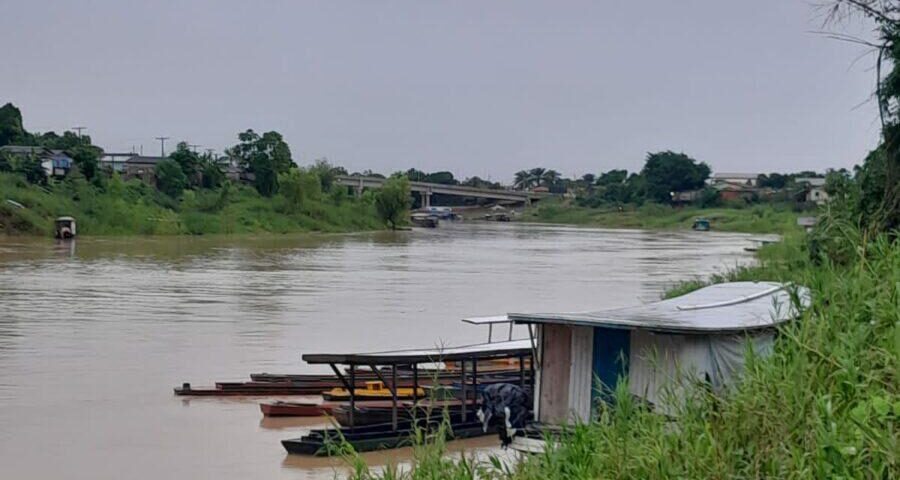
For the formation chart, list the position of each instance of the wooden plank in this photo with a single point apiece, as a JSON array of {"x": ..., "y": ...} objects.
[{"x": 555, "y": 368}]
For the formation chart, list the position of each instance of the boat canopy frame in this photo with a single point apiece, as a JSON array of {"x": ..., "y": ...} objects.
[{"x": 468, "y": 354}]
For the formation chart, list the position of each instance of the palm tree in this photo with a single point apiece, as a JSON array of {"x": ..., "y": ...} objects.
[
  {"x": 522, "y": 180},
  {"x": 537, "y": 175},
  {"x": 549, "y": 177}
]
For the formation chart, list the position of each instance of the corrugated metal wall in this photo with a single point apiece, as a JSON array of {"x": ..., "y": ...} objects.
[{"x": 581, "y": 374}]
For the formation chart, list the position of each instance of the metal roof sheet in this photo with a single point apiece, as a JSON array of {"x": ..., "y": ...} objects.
[
  {"x": 487, "y": 320},
  {"x": 468, "y": 352},
  {"x": 723, "y": 308}
]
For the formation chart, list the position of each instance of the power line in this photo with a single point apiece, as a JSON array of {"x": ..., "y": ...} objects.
[{"x": 162, "y": 145}]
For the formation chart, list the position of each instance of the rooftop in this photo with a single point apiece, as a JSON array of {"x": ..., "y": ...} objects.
[
  {"x": 468, "y": 352},
  {"x": 145, "y": 160},
  {"x": 723, "y": 308},
  {"x": 745, "y": 176},
  {"x": 23, "y": 149},
  {"x": 811, "y": 181}
]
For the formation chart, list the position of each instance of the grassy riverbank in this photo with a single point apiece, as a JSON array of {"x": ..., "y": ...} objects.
[
  {"x": 763, "y": 218},
  {"x": 826, "y": 404},
  {"x": 130, "y": 208}
]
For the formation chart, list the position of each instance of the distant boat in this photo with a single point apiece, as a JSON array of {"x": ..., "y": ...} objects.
[
  {"x": 701, "y": 225},
  {"x": 64, "y": 227},
  {"x": 497, "y": 217},
  {"x": 424, "y": 220}
]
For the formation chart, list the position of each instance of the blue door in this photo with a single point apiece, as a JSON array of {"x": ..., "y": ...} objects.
[{"x": 610, "y": 362}]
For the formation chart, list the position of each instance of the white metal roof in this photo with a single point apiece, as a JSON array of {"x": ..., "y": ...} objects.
[
  {"x": 722, "y": 308},
  {"x": 487, "y": 320},
  {"x": 481, "y": 350}
]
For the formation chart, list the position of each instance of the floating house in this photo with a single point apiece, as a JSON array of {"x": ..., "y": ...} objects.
[{"x": 581, "y": 356}]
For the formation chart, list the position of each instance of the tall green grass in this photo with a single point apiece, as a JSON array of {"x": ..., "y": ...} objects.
[
  {"x": 128, "y": 208},
  {"x": 825, "y": 404}
]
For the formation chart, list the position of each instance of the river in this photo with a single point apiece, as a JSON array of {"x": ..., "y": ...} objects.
[{"x": 94, "y": 333}]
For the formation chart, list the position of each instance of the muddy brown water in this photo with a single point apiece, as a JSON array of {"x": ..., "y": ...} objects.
[{"x": 94, "y": 333}]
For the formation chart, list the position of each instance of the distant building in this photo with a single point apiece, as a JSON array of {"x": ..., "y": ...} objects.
[
  {"x": 736, "y": 191},
  {"x": 115, "y": 162},
  {"x": 815, "y": 189},
  {"x": 748, "y": 179},
  {"x": 141, "y": 167},
  {"x": 685, "y": 197},
  {"x": 56, "y": 163}
]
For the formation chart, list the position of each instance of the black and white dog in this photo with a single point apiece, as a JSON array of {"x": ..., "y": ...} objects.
[{"x": 507, "y": 401}]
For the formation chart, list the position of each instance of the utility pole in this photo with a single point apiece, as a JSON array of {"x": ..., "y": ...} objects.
[
  {"x": 194, "y": 147},
  {"x": 79, "y": 129},
  {"x": 162, "y": 145}
]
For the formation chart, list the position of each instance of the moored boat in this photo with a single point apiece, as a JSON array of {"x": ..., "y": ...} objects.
[
  {"x": 377, "y": 437},
  {"x": 295, "y": 409},
  {"x": 373, "y": 390},
  {"x": 424, "y": 220}
]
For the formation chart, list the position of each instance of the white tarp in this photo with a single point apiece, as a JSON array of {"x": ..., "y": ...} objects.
[
  {"x": 722, "y": 308},
  {"x": 662, "y": 366}
]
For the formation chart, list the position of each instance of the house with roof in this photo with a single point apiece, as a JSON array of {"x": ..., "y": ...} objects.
[
  {"x": 747, "y": 179},
  {"x": 141, "y": 167},
  {"x": 660, "y": 349},
  {"x": 814, "y": 188},
  {"x": 115, "y": 162},
  {"x": 56, "y": 163}
]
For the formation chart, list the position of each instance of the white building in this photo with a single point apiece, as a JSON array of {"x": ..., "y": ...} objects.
[{"x": 815, "y": 189}]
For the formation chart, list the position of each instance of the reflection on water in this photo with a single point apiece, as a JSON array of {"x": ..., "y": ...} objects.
[{"x": 94, "y": 333}]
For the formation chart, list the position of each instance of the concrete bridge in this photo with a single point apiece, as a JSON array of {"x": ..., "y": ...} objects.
[{"x": 425, "y": 190}]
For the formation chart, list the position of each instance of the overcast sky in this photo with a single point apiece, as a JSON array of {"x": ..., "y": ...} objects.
[{"x": 479, "y": 88}]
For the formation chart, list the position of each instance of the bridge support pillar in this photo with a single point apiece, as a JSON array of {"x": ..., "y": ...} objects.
[{"x": 426, "y": 199}]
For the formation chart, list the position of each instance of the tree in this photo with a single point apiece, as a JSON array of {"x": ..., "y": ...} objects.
[
  {"x": 479, "y": 182},
  {"x": 189, "y": 161},
  {"x": 667, "y": 172},
  {"x": 169, "y": 178},
  {"x": 31, "y": 168},
  {"x": 326, "y": 173},
  {"x": 298, "y": 186},
  {"x": 550, "y": 177},
  {"x": 6, "y": 165},
  {"x": 443, "y": 177},
  {"x": 393, "y": 200},
  {"x": 211, "y": 173},
  {"x": 11, "y": 129},
  {"x": 87, "y": 158},
  {"x": 522, "y": 180},
  {"x": 265, "y": 156},
  {"x": 879, "y": 176},
  {"x": 773, "y": 180},
  {"x": 415, "y": 175},
  {"x": 612, "y": 177}
]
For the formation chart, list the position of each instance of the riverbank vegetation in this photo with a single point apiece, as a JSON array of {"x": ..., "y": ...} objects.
[
  {"x": 133, "y": 207},
  {"x": 760, "y": 218},
  {"x": 185, "y": 193},
  {"x": 671, "y": 191}
]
